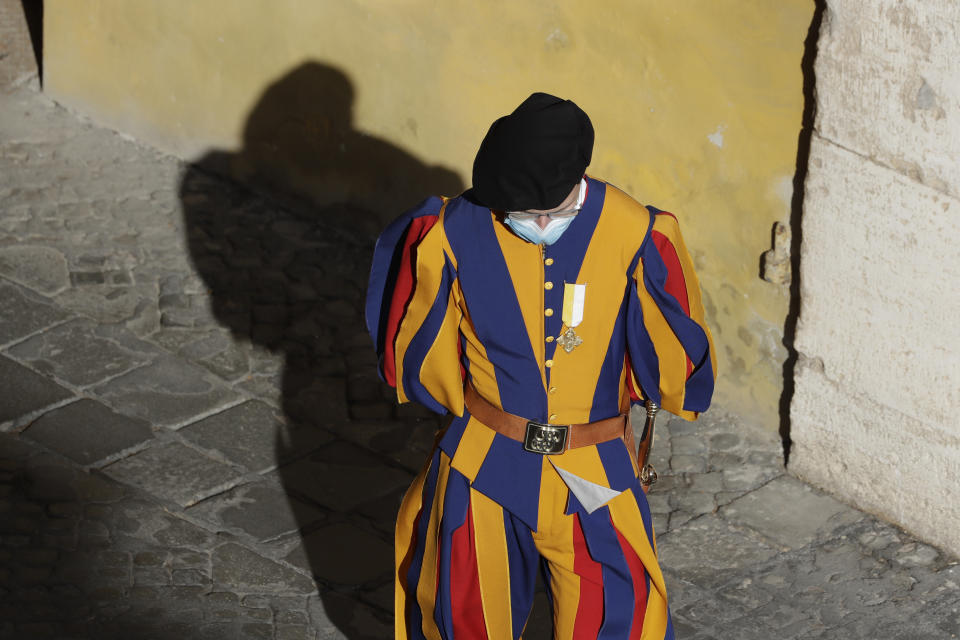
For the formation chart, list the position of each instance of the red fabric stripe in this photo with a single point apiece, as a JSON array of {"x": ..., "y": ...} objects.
[
  {"x": 638, "y": 573},
  {"x": 590, "y": 608},
  {"x": 676, "y": 284},
  {"x": 465, "y": 600},
  {"x": 403, "y": 291},
  {"x": 631, "y": 388}
]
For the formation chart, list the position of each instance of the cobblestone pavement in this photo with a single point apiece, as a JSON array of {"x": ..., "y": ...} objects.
[{"x": 194, "y": 444}]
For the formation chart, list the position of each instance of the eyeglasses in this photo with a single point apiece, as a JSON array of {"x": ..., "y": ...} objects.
[{"x": 523, "y": 216}]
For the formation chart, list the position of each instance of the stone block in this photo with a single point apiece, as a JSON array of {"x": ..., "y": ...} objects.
[
  {"x": 87, "y": 431},
  {"x": 23, "y": 313},
  {"x": 789, "y": 513},
  {"x": 896, "y": 245},
  {"x": 43, "y": 269},
  {"x": 886, "y": 86},
  {"x": 244, "y": 570},
  {"x": 705, "y": 550},
  {"x": 875, "y": 456},
  {"x": 82, "y": 354},
  {"x": 168, "y": 392},
  {"x": 344, "y": 554},
  {"x": 260, "y": 510},
  {"x": 25, "y": 392},
  {"x": 342, "y": 476},
  {"x": 173, "y": 472},
  {"x": 253, "y": 435}
]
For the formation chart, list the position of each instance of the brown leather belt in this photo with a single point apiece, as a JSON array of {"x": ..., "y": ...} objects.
[{"x": 548, "y": 439}]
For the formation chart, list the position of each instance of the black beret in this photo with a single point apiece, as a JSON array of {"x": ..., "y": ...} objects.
[{"x": 532, "y": 158}]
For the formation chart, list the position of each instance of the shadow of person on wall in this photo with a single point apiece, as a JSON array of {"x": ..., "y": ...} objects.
[{"x": 284, "y": 253}]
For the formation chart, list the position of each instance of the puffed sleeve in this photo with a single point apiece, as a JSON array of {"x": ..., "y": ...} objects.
[
  {"x": 669, "y": 344},
  {"x": 413, "y": 312}
]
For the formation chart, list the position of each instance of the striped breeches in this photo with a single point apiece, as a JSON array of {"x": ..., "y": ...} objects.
[{"x": 466, "y": 567}]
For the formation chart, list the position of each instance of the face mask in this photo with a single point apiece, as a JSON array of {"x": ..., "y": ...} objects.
[{"x": 530, "y": 231}]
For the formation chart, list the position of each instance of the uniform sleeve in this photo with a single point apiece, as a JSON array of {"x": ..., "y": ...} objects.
[
  {"x": 412, "y": 310},
  {"x": 669, "y": 345}
]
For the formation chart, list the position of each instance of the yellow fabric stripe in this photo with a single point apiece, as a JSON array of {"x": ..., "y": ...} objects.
[
  {"x": 440, "y": 372},
  {"x": 670, "y": 353},
  {"x": 524, "y": 258},
  {"x": 626, "y": 517},
  {"x": 481, "y": 369},
  {"x": 575, "y": 374},
  {"x": 473, "y": 447},
  {"x": 554, "y": 541},
  {"x": 492, "y": 565},
  {"x": 403, "y": 539},
  {"x": 427, "y": 587},
  {"x": 583, "y": 462},
  {"x": 429, "y": 273}
]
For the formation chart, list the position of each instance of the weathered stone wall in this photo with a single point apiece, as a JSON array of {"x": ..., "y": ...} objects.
[
  {"x": 697, "y": 109},
  {"x": 874, "y": 415},
  {"x": 17, "y": 60}
]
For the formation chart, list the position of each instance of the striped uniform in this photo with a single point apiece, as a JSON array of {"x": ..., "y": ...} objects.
[{"x": 454, "y": 295}]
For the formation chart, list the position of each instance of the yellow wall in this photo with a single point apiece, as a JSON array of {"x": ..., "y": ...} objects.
[{"x": 696, "y": 106}]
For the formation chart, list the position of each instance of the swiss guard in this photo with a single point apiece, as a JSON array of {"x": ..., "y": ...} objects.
[{"x": 534, "y": 309}]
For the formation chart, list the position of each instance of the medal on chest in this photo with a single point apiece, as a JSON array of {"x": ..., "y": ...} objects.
[{"x": 573, "y": 297}]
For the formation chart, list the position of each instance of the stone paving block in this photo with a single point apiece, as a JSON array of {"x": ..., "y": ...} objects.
[
  {"x": 87, "y": 431},
  {"x": 342, "y": 476},
  {"x": 406, "y": 442},
  {"x": 253, "y": 435},
  {"x": 339, "y": 617},
  {"x": 82, "y": 354},
  {"x": 241, "y": 569},
  {"x": 40, "y": 268},
  {"x": 106, "y": 304},
  {"x": 789, "y": 512},
  {"x": 260, "y": 510},
  {"x": 168, "y": 392},
  {"x": 344, "y": 554},
  {"x": 707, "y": 548},
  {"x": 23, "y": 313},
  {"x": 24, "y": 391},
  {"x": 174, "y": 472}
]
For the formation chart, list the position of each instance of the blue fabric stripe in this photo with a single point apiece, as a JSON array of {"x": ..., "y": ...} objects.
[
  {"x": 423, "y": 340},
  {"x": 494, "y": 309},
  {"x": 456, "y": 501},
  {"x": 385, "y": 267},
  {"x": 692, "y": 337},
  {"x": 606, "y": 397},
  {"x": 451, "y": 437},
  {"x": 604, "y": 546},
  {"x": 510, "y": 476},
  {"x": 669, "y": 633},
  {"x": 617, "y": 464},
  {"x": 643, "y": 356},
  {"x": 644, "y": 507},
  {"x": 414, "y": 613},
  {"x": 523, "y": 557}
]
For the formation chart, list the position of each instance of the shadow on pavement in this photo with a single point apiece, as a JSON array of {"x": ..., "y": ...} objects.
[{"x": 289, "y": 278}]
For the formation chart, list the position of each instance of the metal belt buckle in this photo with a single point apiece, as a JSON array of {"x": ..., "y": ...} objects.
[{"x": 549, "y": 439}]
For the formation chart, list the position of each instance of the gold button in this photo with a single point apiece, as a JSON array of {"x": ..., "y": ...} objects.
[
  {"x": 549, "y": 363},
  {"x": 549, "y": 338},
  {"x": 553, "y": 389},
  {"x": 548, "y": 312},
  {"x": 548, "y": 261},
  {"x": 553, "y": 417},
  {"x": 548, "y": 285}
]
